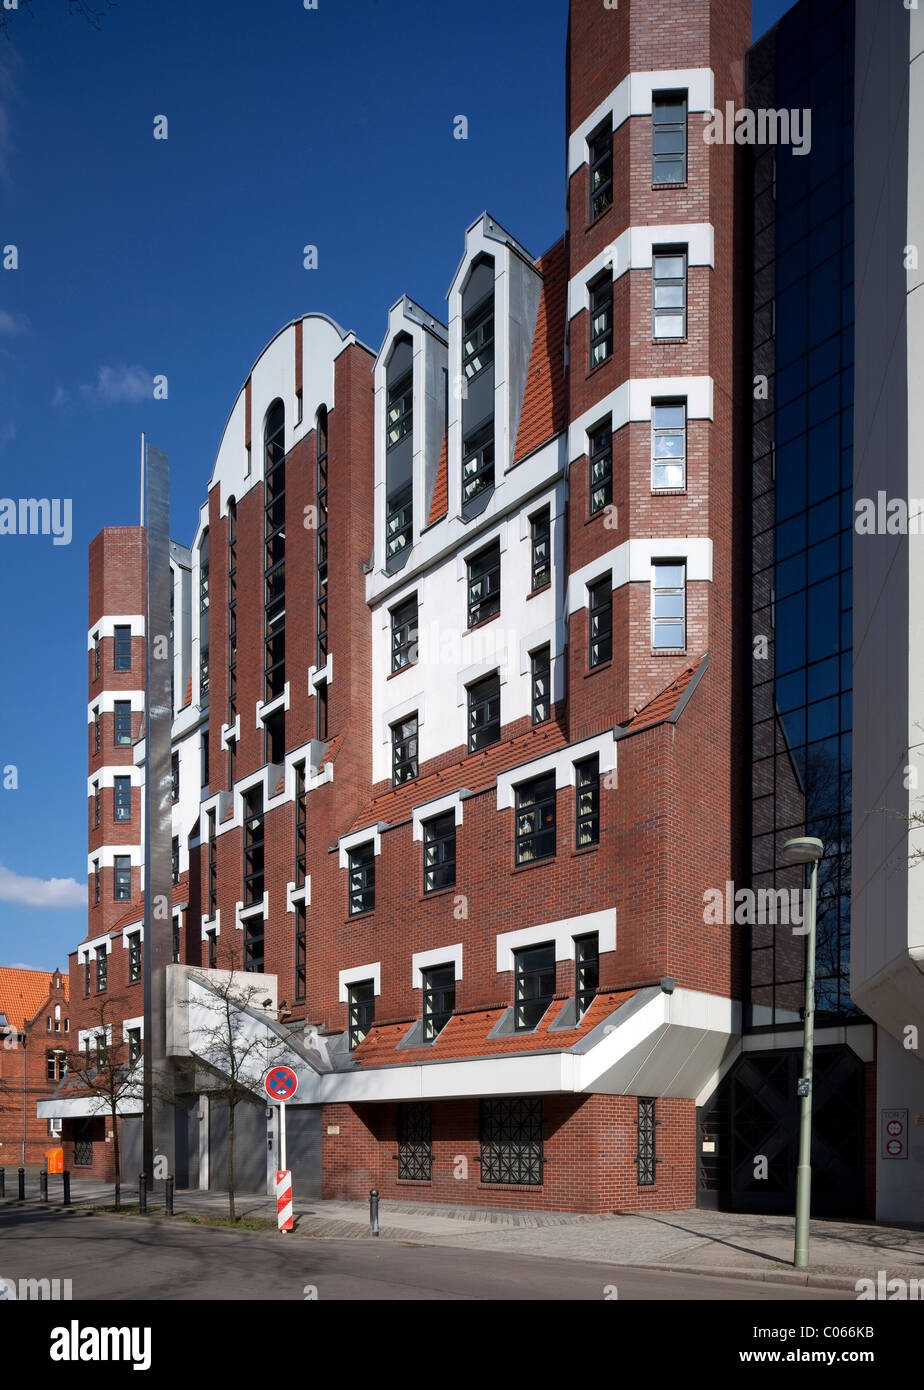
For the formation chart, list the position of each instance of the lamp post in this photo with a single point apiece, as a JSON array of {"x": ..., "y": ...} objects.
[{"x": 805, "y": 849}]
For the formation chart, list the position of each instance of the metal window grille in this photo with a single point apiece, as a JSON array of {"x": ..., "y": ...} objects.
[
  {"x": 511, "y": 1142},
  {"x": 415, "y": 1152},
  {"x": 645, "y": 1142}
]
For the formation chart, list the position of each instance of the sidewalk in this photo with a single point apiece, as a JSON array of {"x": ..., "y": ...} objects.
[{"x": 750, "y": 1247}]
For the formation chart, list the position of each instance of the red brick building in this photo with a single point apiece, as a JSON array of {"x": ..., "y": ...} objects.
[{"x": 34, "y": 1042}]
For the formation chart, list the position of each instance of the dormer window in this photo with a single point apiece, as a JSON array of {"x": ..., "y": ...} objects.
[
  {"x": 478, "y": 338},
  {"x": 400, "y": 410},
  {"x": 399, "y": 454},
  {"x": 478, "y": 388}
]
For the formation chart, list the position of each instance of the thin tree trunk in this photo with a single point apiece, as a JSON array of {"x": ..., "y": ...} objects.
[
  {"x": 117, "y": 1157},
  {"x": 231, "y": 1108}
]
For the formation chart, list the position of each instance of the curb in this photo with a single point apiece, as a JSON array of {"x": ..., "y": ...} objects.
[{"x": 765, "y": 1276}]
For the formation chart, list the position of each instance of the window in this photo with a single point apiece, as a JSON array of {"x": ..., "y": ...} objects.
[
  {"x": 56, "y": 1065},
  {"x": 86, "y": 975},
  {"x": 669, "y": 294},
  {"x": 175, "y": 859},
  {"x": 102, "y": 1051},
  {"x": 668, "y": 619},
  {"x": 669, "y": 137},
  {"x": 484, "y": 585},
  {"x": 484, "y": 724},
  {"x": 600, "y": 164},
  {"x": 301, "y": 825},
  {"x": 535, "y": 819},
  {"x": 204, "y": 758},
  {"x": 478, "y": 338},
  {"x": 540, "y": 663},
  {"x": 362, "y": 879},
  {"x": 586, "y": 971},
  {"x": 122, "y": 877},
  {"x": 511, "y": 1141},
  {"x": 668, "y": 444},
  {"x": 175, "y": 776},
  {"x": 540, "y": 552},
  {"x": 477, "y": 466},
  {"x": 95, "y": 804},
  {"x": 134, "y": 956},
  {"x": 54, "y": 1129},
  {"x": 212, "y": 941},
  {"x": 415, "y": 1154},
  {"x": 320, "y": 694},
  {"x": 213, "y": 866},
  {"x": 122, "y": 722},
  {"x": 534, "y": 982},
  {"x": 102, "y": 969},
  {"x": 399, "y": 524},
  {"x": 404, "y": 750},
  {"x": 96, "y": 656},
  {"x": 301, "y": 937},
  {"x": 274, "y": 548},
  {"x": 122, "y": 648},
  {"x": 232, "y": 628},
  {"x": 400, "y": 410},
  {"x": 134, "y": 1045},
  {"x": 121, "y": 798},
  {"x": 404, "y": 634},
  {"x": 253, "y": 944},
  {"x": 587, "y": 802},
  {"x": 600, "y": 621},
  {"x": 96, "y": 729},
  {"x": 48, "y": 1024},
  {"x": 253, "y": 846},
  {"x": 321, "y": 543},
  {"x": 439, "y": 852},
  {"x": 601, "y": 318},
  {"x": 96, "y": 881},
  {"x": 361, "y": 1006},
  {"x": 600, "y": 442},
  {"x": 439, "y": 998},
  {"x": 645, "y": 1143}
]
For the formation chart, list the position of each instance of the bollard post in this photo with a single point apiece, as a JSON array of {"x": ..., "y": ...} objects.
[
  {"x": 67, "y": 1187},
  {"x": 43, "y": 1185},
  {"x": 21, "y": 1172},
  {"x": 373, "y": 1212},
  {"x": 168, "y": 1196},
  {"x": 142, "y": 1194},
  {"x": 2, "y": 1182}
]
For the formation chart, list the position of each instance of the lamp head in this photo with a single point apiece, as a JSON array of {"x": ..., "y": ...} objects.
[{"x": 804, "y": 849}]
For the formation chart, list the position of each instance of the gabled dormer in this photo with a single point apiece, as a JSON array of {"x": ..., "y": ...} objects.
[
  {"x": 410, "y": 425},
  {"x": 493, "y": 303}
]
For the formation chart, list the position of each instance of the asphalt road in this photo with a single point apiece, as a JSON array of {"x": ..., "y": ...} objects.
[{"x": 121, "y": 1258}]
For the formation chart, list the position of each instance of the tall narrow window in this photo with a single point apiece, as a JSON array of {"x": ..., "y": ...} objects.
[
  {"x": 87, "y": 970},
  {"x": 96, "y": 881},
  {"x": 478, "y": 373},
  {"x": 134, "y": 957},
  {"x": 96, "y": 804},
  {"x": 439, "y": 855},
  {"x": 540, "y": 550},
  {"x": 669, "y": 137},
  {"x": 534, "y": 982},
  {"x": 600, "y": 443},
  {"x": 484, "y": 585},
  {"x": 96, "y": 656},
  {"x": 175, "y": 858},
  {"x": 133, "y": 1036},
  {"x": 253, "y": 847},
  {"x": 96, "y": 728},
  {"x": 404, "y": 634},
  {"x": 361, "y": 1008},
  {"x": 122, "y": 798},
  {"x": 274, "y": 507},
  {"x": 122, "y": 877},
  {"x": 175, "y": 777},
  {"x": 320, "y": 694},
  {"x": 122, "y": 723},
  {"x": 535, "y": 819},
  {"x": 439, "y": 999},
  {"x": 301, "y": 918},
  {"x": 478, "y": 338},
  {"x": 399, "y": 453},
  {"x": 484, "y": 723},
  {"x": 540, "y": 664},
  {"x": 321, "y": 543},
  {"x": 212, "y": 942},
  {"x": 301, "y": 825},
  {"x": 645, "y": 1150},
  {"x": 600, "y": 621},
  {"x": 601, "y": 318},
  {"x": 668, "y": 615},
  {"x": 213, "y": 866},
  {"x": 415, "y": 1152},
  {"x": 362, "y": 879},
  {"x": 122, "y": 648},
  {"x": 668, "y": 444},
  {"x": 669, "y": 294},
  {"x": 586, "y": 971},
  {"x": 587, "y": 802},
  {"x": 204, "y": 758},
  {"x": 404, "y": 750},
  {"x": 600, "y": 164},
  {"x": 204, "y": 615},
  {"x": 102, "y": 969},
  {"x": 254, "y": 929}
]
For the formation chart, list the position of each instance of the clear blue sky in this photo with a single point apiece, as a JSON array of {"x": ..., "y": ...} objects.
[{"x": 286, "y": 127}]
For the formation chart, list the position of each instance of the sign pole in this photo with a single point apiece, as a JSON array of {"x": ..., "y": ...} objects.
[{"x": 282, "y": 1134}]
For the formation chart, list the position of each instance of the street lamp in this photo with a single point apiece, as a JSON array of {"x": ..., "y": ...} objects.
[{"x": 805, "y": 849}]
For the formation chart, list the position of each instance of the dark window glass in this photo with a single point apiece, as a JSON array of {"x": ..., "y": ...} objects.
[
  {"x": 587, "y": 802},
  {"x": 540, "y": 542},
  {"x": 511, "y": 1141},
  {"x": 669, "y": 294},
  {"x": 477, "y": 466},
  {"x": 400, "y": 410},
  {"x": 600, "y": 163},
  {"x": 87, "y": 969},
  {"x": 478, "y": 338},
  {"x": 102, "y": 969},
  {"x": 415, "y": 1154},
  {"x": 404, "y": 750},
  {"x": 586, "y": 971},
  {"x": 213, "y": 950},
  {"x": 254, "y": 928},
  {"x": 122, "y": 722},
  {"x": 301, "y": 825},
  {"x": 96, "y": 656},
  {"x": 176, "y": 940},
  {"x": 213, "y": 866},
  {"x": 440, "y": 852},
  {"x": 484, "y": 722},
  {"x": 601, "y": 319},
  {"x": 600, "y": 621},
  {"x": 96, "y": 881},
  {"x": 601, "y": 467},
  {"x": 534, "y": 983},
  {"x": 541, "y": 684},
  {"x": 361, "y": 999},
  {"x": 362, "y": 879},
  {"x": 484, "y": 585},
  {"x": 134, "y": 956},
  {"x": 321, "y": 545},
  {"x": 134, "y": 1045},
  {"x": 175, "y": 858},
  {"x": 439, "y": 999},
  {"x": 175, "y": 776},
  {"x": 122, "y": 649},
  {"x": 669, "y": 137},
  {"x": 320, "y": 692},
  {"x": 122, "y": 878},
  {"x": 301, "y": 919},
  {"x": 253, "y": 847},
  {"x": 535, "y": 819},
  {"x": 404, "y": 634},
  {"x": 645, "y": 1154},
  {"x": 399, "y": 523},
  {"x": 96, "y": 804},
  {"x": 274, "y": 563}
]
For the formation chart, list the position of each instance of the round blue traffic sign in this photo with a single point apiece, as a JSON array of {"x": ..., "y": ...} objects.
[{"x": 280, "y": 1083}]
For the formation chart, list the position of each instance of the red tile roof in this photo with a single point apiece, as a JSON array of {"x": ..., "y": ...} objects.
[
  {"x": 543, "y": 414},
  {"x": 23, "y": 992},
  {"x": 439, "y": 506},
  {"x": 476, "y": 771},
  {"x": 466, "y": 1035},
  {"x": 663, "y": 705}
]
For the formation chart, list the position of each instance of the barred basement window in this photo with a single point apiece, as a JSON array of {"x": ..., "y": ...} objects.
[
  {"x": 122, "y": 722},
  {"x": 541, "y": 684},
  {"x": 122, "y": 877},
  {"x": 600, "y": 165},
  {"x": 361, "y": 1007},
  {"x": 121, "y": 798},
  {"x": 362, "y": 879},
  {"x": 587, "y": 802},
  {"x": 668, "y": 444},
  {"x": 600, "y": 621},
  {"x": 253, "y": 944},
  {"x": 669, "y": 294},
  {"x": 134, "y": 956},
  {"x": 535, "y": 819},
  {"x": 586, "y": 971},
  {"x": 484, "y": 724},
  {"x": 134, "y": 1045},
  {"x": 534, "y": 984},
  {"x": 600, "y": 442},
  {"x": 484, "y": 585},
  {"x": 440, "y": 852},
  {"x": 404, "y": 634},
  {"x": 301, "y": 918},
  {"x": 102, "y": 969},
  {"x": 540, "y": 528},
  {"x": 301, "y": 825},
  {"x": 439, "y": 999},
  {"x": 601, "y": 318},
  {"x": 122, "y": 649},
  {"x": 669, "y": 137},
  {"x": 415, "y": 1154},
  {"x": 511, "y": 1141},
  {"x": 404, "y": 750},
  {"x": 645, "y": 1142}
]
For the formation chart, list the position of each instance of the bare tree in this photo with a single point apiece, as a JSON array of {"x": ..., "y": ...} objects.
[{"x": 106, "y": 1067}]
